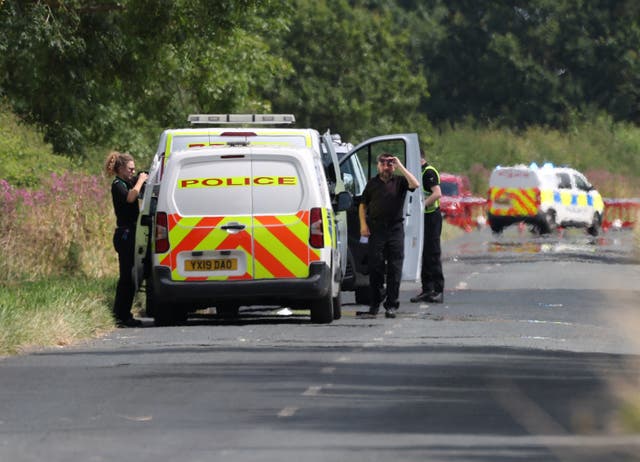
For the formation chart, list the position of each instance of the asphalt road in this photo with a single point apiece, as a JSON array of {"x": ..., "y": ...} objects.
[{"x": 532, "y": 357}]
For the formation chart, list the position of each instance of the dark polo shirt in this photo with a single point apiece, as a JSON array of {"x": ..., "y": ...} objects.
[
  {"x": 385, "y": 201},
  {"x": 126, "y": 212}
]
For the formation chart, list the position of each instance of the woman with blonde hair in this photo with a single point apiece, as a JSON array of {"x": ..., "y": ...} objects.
[{"x": 125, "y": 190}]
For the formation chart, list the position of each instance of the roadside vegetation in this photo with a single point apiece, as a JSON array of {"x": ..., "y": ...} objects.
[{"x": 55, "y": 227}]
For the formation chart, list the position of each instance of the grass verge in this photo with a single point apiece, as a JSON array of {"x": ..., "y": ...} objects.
[{"x": 57, "y": 311}]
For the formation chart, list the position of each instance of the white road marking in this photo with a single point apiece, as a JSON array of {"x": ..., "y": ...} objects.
[
  {"x": 312, "y": 390},
  {"x": 288, "y": 411}
]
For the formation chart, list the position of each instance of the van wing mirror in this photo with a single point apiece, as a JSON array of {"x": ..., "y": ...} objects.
[{"x": 342, "y": 201}]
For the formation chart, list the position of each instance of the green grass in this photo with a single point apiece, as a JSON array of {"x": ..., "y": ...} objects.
[{"x": 59, "y": 311}]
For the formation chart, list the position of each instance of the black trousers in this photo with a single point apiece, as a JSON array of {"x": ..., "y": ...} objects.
[
  {"x": 124, "y": 243},
  {"x": 386, "y": 254},
  {"x": 431, "y": 275}
]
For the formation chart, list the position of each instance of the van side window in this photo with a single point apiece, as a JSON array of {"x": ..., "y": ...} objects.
[
  {"x": 369, "y": 153},
  {"x": 582, "y": 184},
  {"x": 564, "y": 181}
]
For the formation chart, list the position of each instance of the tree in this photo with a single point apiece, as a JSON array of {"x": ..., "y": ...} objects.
[
  {"x": 107, "y": 73},
  {"x": 523, "y": 62},
  {"x": 351, "y": 71}
]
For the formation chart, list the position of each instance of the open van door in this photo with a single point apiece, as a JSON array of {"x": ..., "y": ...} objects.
[
  {"x": 336, "y": 186},
  {"x": 405, "y": 147}
]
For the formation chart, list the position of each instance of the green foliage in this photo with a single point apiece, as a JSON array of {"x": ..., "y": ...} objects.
[
  {"x": 113, "y": 74},
  {"x": 56, "y": 311},
  {"x": 527, "y": 63},
  {"x": 91, "y": 73},
  {"x": 24, "y": 158},
  {"x": 593, "y": 146},
  {"x": 352, "y": 72}
]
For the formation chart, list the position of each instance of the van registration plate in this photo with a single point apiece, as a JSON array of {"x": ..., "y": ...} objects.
[{"x": 211, "y": 264}]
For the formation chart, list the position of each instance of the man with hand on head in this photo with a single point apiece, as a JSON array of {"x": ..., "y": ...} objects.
[{"x": 381, "y": 222}]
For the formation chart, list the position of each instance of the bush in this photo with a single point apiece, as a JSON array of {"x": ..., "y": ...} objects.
[
  {"x": 607, "y": 152},
  {"x": 55, "y": 311},
  {"x": 63, "y": 227},
  {"x": 25, "y": 157}
]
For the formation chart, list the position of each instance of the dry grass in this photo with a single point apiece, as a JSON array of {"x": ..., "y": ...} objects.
[
  {"x": 50, "y": 312},
  {"x": 63, "y": 228}
]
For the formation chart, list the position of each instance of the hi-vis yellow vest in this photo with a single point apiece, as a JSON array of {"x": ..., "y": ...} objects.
[{"x": 433, "y": 207}]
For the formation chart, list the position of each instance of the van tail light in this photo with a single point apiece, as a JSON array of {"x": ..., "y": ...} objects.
[
  {"x": 316, "y": 228},
  {"x": 162, "y": 233}
]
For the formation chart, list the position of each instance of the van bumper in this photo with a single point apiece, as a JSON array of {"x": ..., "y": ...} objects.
[{"x": 244, "y": 292}]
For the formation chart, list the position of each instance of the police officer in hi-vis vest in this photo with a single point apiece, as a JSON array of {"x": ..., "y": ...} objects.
[{"x": 431, "y": 276}]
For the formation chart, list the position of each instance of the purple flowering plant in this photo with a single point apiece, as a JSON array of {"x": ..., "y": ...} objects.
[{"x": 64, "y": 226}]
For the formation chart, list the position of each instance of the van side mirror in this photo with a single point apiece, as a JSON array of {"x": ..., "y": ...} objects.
[{"x": 343, "y": 201}]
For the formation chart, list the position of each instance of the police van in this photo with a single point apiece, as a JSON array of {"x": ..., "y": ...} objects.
[
  {"x": 237, "y": 213},
  {"x": 545, "y": 197}
]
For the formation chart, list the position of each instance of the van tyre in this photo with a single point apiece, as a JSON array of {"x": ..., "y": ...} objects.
[
  {"x": 149, "y": 305},
  {"x": 550, "y": 221},
  {"x": 337, "y": 307},
  {"x": 496, "y": 224},
  {"x": 542, "y": 225},
  {"x": 322, "y": 310},
  {"x": 167, "y": 314},
  {"x": 228, "y": 311},
  {"x": 596, "y": 224}
]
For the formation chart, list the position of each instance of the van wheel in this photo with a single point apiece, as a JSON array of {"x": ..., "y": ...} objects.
[
  {"x": 149, "y": 305},
  {"x": 227, "y": 311},
  {"x": 496, "y": 225},
  {"x": 550, "y": 220},
  {"x": 322, "y": 310},
  {"x": 542, "y": 225},
  {"x": 337, "y": 307},
  {"x": 596, "y": 224},
  {"x": 166, "y": 314}
]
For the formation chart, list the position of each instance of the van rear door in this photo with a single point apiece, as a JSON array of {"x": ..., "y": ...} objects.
[
  {"x": 240, "y": 216},
  {"x": 211, "y": 231},
  {"x": 407, "y": 148}
]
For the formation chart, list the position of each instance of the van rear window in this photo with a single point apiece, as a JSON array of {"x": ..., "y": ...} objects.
[{"x": 239, "y": 187}]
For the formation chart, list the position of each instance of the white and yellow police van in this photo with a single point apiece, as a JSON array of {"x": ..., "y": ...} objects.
[
  {"x": 545, "y": 197},
  {"x": 275, "y": 195}
]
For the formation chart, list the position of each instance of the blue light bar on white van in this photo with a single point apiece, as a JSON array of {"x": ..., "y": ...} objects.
[{"x": 215, "y": 119}]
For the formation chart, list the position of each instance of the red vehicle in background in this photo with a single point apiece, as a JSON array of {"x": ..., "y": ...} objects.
[
  {"x": 458, "y": 206},
  {"x": 454, "y": 189}
]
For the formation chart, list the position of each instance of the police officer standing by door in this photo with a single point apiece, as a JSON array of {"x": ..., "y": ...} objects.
[
  {"x": 432, "y": 277},
  {"x": 125, "y": 191},
  {"x": 381, "y": 222}
]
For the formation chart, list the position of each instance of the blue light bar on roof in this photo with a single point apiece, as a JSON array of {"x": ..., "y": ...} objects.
[{"x": 239, "y": 119}]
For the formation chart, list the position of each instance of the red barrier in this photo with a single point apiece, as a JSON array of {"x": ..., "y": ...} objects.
[
  {"x": 620, "y": 213},
  {"x": 473, "y": 213}
]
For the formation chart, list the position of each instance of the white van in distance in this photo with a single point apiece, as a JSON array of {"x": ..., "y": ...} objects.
[{"x": 545, "y": 197}]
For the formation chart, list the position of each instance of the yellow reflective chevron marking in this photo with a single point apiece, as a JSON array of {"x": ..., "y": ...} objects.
[
  {"x": 276, "y": 246},
  {"x": 513, "y": 201}
]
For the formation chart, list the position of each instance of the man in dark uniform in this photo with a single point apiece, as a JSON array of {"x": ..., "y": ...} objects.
[
  {"x": 381, "y": 222},
  {"x": 432, "y": 277}
]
